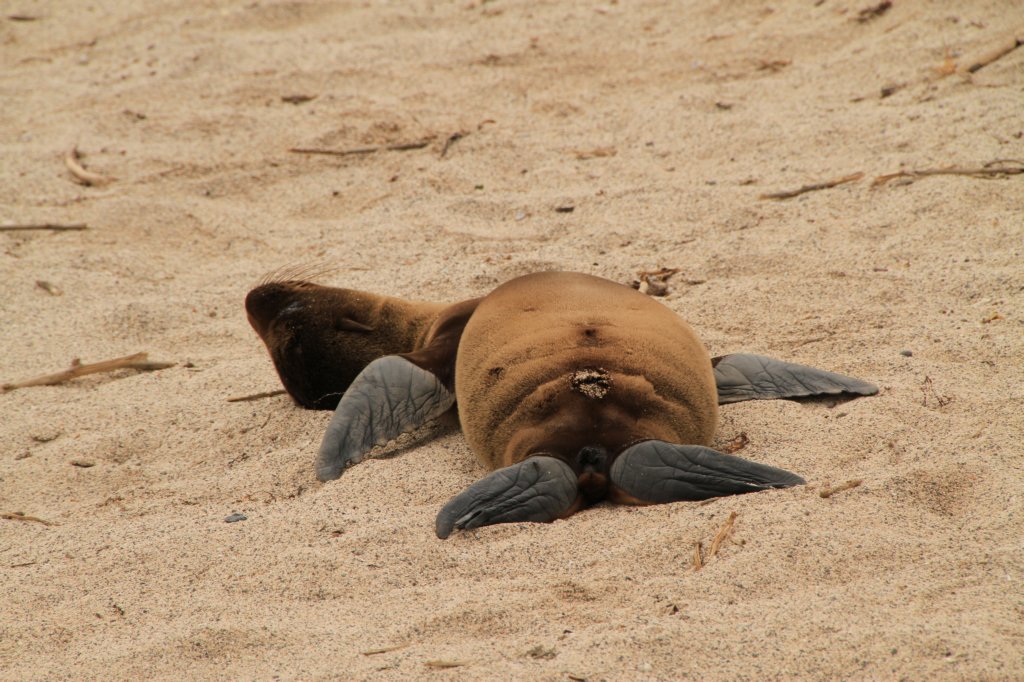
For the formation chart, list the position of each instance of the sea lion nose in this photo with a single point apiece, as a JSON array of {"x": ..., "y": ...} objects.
[
  {"x": 591, "y": 458},
  {"x": 264, "y": 303}
]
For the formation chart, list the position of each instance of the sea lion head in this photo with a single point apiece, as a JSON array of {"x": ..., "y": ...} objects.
[{"x": 321, "y": 337}]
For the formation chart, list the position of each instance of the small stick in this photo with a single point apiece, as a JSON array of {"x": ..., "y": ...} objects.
[
  {"x": 452, "y": 139},
  {"x": 698, "y": 562},
  {"x": 723, "y": 535},
  {"x": 137, "y": 361},
  {"x": 18, "y": 516},
  {"x": 987, "y": 59},
  {"x": 827, "y": 492},
  {"x": 993, "y": 169},
  {"x": 812, "y": 188},
  {"x": 401, "y": 147},
  {"x": 873, "y": 12},
  {"x": 443, "y": 664},
  {"x": 384, "y": 650},
  {"x": 56, "y": 227},
  {"x": 84, "y": 177},
  {"x": 256, "y": 396},
  {"x": 49, "y": 288}
]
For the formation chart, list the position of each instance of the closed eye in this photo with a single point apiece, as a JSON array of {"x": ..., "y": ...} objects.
[{"x": 346, "y": 324}]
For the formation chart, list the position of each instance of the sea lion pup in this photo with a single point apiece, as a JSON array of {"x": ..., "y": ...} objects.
[{"x": 572, "y": 387}]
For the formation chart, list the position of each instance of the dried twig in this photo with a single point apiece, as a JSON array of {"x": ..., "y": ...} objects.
[
  {"x": 444, "y": 664},
  {"x": 82, "y": 176},
  {"x": 596, "y": 153},
  {"x": 401, "y": 147},
  {"x": 698, "y": 561},
  {"x": 873, "y": 12},
  {"x": 384, "y": 650},
  {"x": 723, "y": 535},
  {"x": 992, "y": 56},
  {"x": 137, "y": 361},
  {"x": 256, "y": 396},
  {"x": 19, "y": 516},
  {"x": 49, "y": 287},
  {"x": 1000, "y": 168},
  {"x": 813, "y": 188},
  {"x": 55, "y": 227},
  {"x": 829, "y": 491},
  {"x": 452, "y": 139}
]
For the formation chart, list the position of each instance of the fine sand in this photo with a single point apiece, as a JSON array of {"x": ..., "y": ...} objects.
[{"x": 660, "y": 125}]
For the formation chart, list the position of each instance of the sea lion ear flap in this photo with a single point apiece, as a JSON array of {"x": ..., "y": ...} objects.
[
  {"x": 653, "y": 472},
  {"x": 388, "y": 398},
  {"x": 743, "y": 376},
  {"x": 537, "y": 489}
]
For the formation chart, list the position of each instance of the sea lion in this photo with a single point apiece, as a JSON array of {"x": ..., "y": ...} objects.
[{"x": 573, "y": 388}]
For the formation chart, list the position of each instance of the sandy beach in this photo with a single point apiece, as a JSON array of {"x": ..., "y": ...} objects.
[{"x": 839, "y": 184}]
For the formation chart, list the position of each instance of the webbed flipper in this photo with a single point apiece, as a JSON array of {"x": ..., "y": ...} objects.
[
  {"x": 537, "y": 489},
  {"x": 653, "y": 472},
  {"x": 744, "y": 376},
  {"x": 391, "y": 396}
]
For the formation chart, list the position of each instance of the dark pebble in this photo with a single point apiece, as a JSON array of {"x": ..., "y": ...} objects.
[
  {"x": 235, "y": 518},
  {"x": 906, "y": 353}
]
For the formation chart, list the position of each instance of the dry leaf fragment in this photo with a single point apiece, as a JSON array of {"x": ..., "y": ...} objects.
[
  {"x": 596, "y": 153},
  {"x": 993, "y": 317},
  {"x": 736, "y": 444}
]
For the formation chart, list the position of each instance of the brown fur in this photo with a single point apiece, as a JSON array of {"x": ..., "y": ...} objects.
[
  {"x": 532, "y": 337},
  {"x": 321, "y": 337},
  {"x": 554, "y": 363}
]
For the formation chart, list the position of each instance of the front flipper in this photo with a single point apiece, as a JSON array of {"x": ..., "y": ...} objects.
[
  {"x": 537, "y": 489},
  {"x": 388, "y": 398},
  {"x": 654, "y": 472},
  {"x": 743, "y": 376}
]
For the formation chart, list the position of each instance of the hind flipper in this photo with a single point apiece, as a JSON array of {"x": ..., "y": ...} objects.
[
  {"x": 536, "y": 489},
  {"x": 653, "y": 472},
  {"x": 744, "y": 376}
]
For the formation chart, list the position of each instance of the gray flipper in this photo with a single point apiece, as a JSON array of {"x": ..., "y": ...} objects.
[
  {"x": 743, "y": 376},
  {"x": 537, "y": 489},
  {"x": 389, "y": 397},
  {"x": 655, "y": 471}
]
